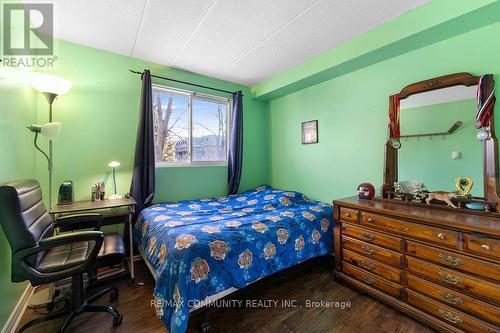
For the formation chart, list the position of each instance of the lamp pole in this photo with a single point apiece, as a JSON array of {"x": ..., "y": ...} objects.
[
  {"x": 50, "y": 99},
  {"x": 114, "y": 179}
]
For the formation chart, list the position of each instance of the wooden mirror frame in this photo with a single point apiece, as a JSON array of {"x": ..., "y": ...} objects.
[{"x": 490, "y": 157}]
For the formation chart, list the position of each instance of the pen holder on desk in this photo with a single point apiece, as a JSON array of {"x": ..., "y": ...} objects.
[{"x": 98, "y": 191}]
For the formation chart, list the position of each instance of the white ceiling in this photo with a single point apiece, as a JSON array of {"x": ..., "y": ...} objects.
[{"x": 244, "y": 41}]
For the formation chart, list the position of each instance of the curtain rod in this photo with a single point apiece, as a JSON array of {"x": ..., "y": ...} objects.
[{"x": 188, "y": 83}]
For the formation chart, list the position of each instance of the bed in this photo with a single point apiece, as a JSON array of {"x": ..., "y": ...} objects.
[{"x": 200, "y": 250}]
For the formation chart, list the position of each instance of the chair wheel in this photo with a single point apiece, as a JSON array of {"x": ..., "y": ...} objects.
[
  {"x": 117, "y": 321},
  {"x": 205, "y": 327},
  {"x": 50, "y": 306},
  {"x": 114, "y": 294},
  {"x": 67, "y": 303}
]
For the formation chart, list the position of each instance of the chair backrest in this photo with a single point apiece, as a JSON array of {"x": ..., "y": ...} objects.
[{"x": 23, "y": 216}]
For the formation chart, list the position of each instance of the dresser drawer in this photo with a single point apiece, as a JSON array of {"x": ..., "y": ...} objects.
[
  {"x": 372, "y": 280},
  {"x": 454, "y": 260},
  {"x": 488, "y": 247},
  {"x": 372, "y": 266},
  {"x": 372, "y": 237},
  {"x": 449, "y": 315},
  {"x": 452, "y": 279},
  {"x": 381, "y": 222},
  {"x": 419, "y": 231},
  {"x": 450, "y": 297},
  {"x": 348, "y": 214},
  {"x": 373, "y": 252}
]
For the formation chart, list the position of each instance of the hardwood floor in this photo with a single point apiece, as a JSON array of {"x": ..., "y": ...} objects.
[{"x": 312, "y": 280}]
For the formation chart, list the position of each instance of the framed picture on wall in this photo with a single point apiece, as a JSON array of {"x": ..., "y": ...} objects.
[{"x": 309, "y": 132}]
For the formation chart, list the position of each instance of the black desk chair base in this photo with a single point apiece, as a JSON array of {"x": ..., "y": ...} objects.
[{"x": 80, "y": 305}]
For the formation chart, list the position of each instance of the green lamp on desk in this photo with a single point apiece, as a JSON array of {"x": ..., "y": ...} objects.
[{"x": 114, "y": 165}]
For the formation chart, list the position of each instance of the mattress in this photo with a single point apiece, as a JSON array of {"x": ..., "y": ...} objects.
[{"x": 201, "y": 248}]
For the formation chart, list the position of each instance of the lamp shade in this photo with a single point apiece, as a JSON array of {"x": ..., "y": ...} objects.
[
  {"x": 114, "y": 164},
  {"x": 50, "y": 130},
  {"x": 46, "y": 83}
]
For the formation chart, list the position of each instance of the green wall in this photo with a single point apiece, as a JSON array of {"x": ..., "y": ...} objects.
[
  {"x": 352, "y": 114},
  {"x": 16, "y": 162},
  {"x": 429, "y": 160},
  {"x": 99, "y": 120}
]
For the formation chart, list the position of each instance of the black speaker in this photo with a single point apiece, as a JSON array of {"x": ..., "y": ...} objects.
[{"x": 65, "y": 193}]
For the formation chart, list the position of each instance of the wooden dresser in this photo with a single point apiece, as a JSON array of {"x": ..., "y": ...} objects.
[{"x": 441, "y": 267}]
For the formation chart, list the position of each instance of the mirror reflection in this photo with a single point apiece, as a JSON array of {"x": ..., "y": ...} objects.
[{"x": 438, "y": 139}]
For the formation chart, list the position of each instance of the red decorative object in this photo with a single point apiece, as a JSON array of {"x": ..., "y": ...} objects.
[
  {"x": 485, "y": 102},
  {"x": 394, "y": 117},
  {"x": 366, "y": 191}
]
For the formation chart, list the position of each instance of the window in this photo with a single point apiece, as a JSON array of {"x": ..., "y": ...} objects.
[{"x": 189, "y": 128}]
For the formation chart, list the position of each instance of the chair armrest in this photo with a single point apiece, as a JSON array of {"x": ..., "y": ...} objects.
[
  {"x": 79, "y": 221},
  {"x": 74, "y": 237},
  {"x": 51, "y": 242}
]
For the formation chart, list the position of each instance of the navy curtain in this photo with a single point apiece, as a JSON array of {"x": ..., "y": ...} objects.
[
  {"x": 235, "y": 159},
  {"x": 143, "y": 179}
]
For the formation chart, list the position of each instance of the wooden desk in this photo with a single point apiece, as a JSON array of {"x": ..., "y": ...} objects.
[{"x": 114, "y": 211}]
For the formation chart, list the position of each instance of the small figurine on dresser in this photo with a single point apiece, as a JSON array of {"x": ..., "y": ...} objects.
[
  {"x": 441, "y": 196},
  {"x": 464, "y": 186},
  {"x": 366, "y": 191},
  {"x": 410, "y": 190}
]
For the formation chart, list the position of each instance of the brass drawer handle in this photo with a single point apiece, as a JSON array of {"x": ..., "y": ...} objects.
[
  {"x": 367, "y": 279},
  {"x": 450, "y": 298},
  {"x": 486, "y": 247},
  {"x": 451, "y": 279},
  {"x": 368, "y": 236},
  {"x": 449, "y": 260},
  {"x": 367, "y": 249},
  {"x": 452, "y": 318},
  {"x": 367, "y": 265},
  {"x": 441, "y": 236},
  {"x": 347, "y": 214}
]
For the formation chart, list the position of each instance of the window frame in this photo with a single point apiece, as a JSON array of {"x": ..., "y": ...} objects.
[{"x": 198, "y": 96}]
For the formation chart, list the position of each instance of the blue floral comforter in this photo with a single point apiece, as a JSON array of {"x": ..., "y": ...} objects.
[{"x": 199, "y": 248}]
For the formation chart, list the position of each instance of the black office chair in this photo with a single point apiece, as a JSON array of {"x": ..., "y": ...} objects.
[{"x": 42, "y": 258}]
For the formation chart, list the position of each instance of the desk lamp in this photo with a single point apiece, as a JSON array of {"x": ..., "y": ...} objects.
[{"x": 114, "y": 165}]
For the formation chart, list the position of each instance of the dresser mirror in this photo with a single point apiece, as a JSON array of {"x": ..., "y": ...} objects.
[
  {"x": 438, "y": 139},
  {"x": 433, "y": 140}
]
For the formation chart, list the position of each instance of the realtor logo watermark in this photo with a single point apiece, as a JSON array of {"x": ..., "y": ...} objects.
[
  {"x": 27, "y": 33},
  {"x": 160, "y": 304}
]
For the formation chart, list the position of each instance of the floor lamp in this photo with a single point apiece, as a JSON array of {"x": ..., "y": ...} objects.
[{"x": 51, "y": 87}]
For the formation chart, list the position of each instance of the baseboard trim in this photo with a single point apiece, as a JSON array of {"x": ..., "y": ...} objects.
[{"x": 17, "y": 313}]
